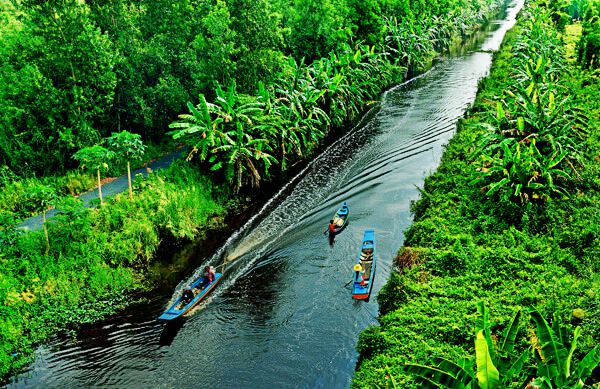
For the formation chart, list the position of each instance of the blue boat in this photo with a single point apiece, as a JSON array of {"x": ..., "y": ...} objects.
[
  {"x": 200, "y": 290},
  {"x": 364, "y": 268},
  {"x": 341, "y": 217}
]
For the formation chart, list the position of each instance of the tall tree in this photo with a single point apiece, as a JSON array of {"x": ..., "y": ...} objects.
[
  {"x": 60, "y": 71},
  {"x": 95, "y": 158},
  {"x": 213, "y": 51},
  {"x": 259, "y": 41},
  {"x": 318, "y": 27},
  {"x": 129, "y": 147}
]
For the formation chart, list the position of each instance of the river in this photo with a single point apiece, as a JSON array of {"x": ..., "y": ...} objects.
[{"x": 282, "y": 317}]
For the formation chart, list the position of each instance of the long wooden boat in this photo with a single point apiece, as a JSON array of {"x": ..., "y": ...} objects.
[
  {"x": 341, "y": 217},
  {"x": 364, "y": 268},
  {"x": 200, "y": 290}
]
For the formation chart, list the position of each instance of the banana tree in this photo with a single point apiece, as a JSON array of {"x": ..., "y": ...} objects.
[
  {"x": 129, "y": 146},
  {"x": 297, "y": 102},
  {"x": 336, "y": 97},
  {"x": 200, "y": 128},
  {"x": 496, "y": 365},
  {"x": 275, "y": 126},
  {"x": 411, "y": 42},
  {"x": 236, "y": 108},
  {"x": 554, "y": 356},
  {"x": 95, "y": 158},
  {"x": 237, "y": 156},
  {"x": 518, "y": 170}
]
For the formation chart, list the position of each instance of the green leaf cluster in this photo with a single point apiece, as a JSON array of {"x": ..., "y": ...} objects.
[
  {"x": 530, "y": 149},
  {"x": 466, "y": 245}
]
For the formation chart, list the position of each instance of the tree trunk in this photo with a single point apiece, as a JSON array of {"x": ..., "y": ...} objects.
[
  {"x": 129, "y": 180},
  {"x": 45, "y": 232},
  {"x": 99, "y": 188}
]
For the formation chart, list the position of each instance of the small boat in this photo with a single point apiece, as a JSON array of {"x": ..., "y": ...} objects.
[
  {"x": 200, "y": 290},
  {"x": 340, "y": 219},
  {"x": 364, "y": 269}
]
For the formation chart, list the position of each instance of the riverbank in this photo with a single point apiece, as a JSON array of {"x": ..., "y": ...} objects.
[
  {"x": 515, "y": 245},
  {"x": 98, "y": 257}
]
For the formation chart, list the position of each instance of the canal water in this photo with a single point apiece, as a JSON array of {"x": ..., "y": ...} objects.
[{"x": 281, "y": 317}]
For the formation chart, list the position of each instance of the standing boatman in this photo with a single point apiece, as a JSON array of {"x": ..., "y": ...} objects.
[{"x": 358, "y": 270}]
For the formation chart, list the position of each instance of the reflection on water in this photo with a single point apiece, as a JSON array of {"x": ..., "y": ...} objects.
[{"x": 282, "y": 316}]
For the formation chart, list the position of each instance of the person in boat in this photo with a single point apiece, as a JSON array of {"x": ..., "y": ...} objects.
[
  {"x": 358, "y": 273},
  {"x": 209, "y": 275},
  {"x": 331, "y": 227},
  {"x": 187, "y": 296},
  {"x": 332, "y": 230}
]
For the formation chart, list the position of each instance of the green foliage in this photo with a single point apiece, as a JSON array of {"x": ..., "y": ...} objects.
[
  {"x": 96, "y": 257},
  {"x": 129, "y": 147},
  {"x": 15, "y": 195},
  {"x": 531, "y": 153},
  {"x": 392, "y": 294},
  {"x": 589, "y": 45},
  {"x": 502, "y": 368},
  {"x": 218, "y": 39},
  {"x": 318, "y": 28},
  {"x": 40, "y": 198},
  {"x": 94, "y": 158},
  {"x": 58, "y": 84},
  {"x": 73, "y": 72},
  {"x": 228, "y": 138},
  {"x": 554, "y": 356},
  {"x": 477, "y": 247},
  {"x": 126, "y": 145}
]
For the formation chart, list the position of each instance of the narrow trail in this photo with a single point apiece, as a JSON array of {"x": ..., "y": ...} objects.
[{"x": 109, "y": 189}]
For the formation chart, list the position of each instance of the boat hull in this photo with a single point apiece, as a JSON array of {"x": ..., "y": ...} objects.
[
  {"x": 364, "y": 271},
  {"x": 173, "y": 312},
  {"x": 343, "y": 215}
]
